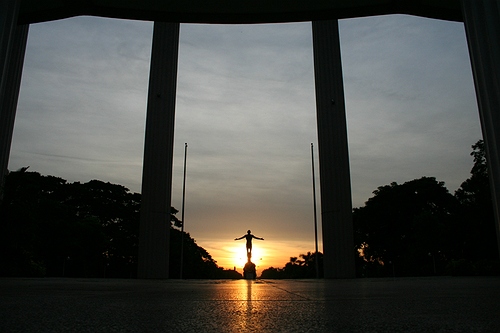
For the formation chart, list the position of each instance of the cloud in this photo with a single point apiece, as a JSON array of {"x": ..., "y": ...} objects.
[
  {"x": 410, "y": 101},
  {"x": 83, "y": 99},
  {"x": 246, "y": 107}
]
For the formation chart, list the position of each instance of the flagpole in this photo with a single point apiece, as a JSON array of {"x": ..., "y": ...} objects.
[
  {"x": 315, "y": 215},
  {"x": 182, "y": 213}
]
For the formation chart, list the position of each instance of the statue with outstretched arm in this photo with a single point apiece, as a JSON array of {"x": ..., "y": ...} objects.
[{"x": 249, "y": 237}]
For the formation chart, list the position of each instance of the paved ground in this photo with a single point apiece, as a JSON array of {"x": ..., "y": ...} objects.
[{"x": 364, "y": 305}]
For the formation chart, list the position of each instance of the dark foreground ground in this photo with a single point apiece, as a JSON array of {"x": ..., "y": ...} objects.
[{"x": 444, "y": 304}]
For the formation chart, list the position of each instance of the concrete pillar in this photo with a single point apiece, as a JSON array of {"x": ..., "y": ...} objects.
[
  {"x": 13, "y": 39},
  {"x": 482, "y": 27},
  {"x": 336, "y": 201},
  {"x": 154, "y": 237}
]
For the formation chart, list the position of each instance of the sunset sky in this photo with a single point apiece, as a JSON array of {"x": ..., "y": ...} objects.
[{"x": 246, "y": 108}]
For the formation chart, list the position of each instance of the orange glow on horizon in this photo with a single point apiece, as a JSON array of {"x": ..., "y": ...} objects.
[
  {"x": 240, "y": 255},
  {"x": 265, "y": 254},
  {"x": 235, "y": 256}
]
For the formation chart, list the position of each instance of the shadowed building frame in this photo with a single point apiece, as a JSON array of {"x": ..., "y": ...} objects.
[{"x": 482, "y": 25}]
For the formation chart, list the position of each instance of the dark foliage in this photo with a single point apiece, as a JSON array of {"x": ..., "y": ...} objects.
[
  {"x": 50, "y": 227},
  {"x": 197, "y": 262},
  {"x": 475, "y": 229},
  {"x": 54, "y": 228},
  {"x": 303, "y": 268},
  {"x": 418, "y": 228},
  {"x": 404, "y": 228}
]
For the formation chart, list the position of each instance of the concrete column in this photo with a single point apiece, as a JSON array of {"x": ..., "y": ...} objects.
[
  {"x": 8, "y": 18},
  {"x": 482, "y": 27},
  {"x": 336, "y": 201},
  {"x": 12, "y": 49},
  {"x": 154, "y": 237}
]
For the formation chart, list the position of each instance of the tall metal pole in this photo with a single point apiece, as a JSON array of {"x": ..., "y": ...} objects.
[
  {"x": 182, "y": 213},
  {"x": 315, "y": 214}
]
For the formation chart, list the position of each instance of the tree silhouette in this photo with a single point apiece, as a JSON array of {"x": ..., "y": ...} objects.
[
  {"x": 50, "y": 227},
  {"x": 304, "y": 268},
  {"x": 402, "y": 229},
  {"x": 54, "y": 228},
  {"x": 475, "y": 231},
  {"x": 418, "y": 228}
]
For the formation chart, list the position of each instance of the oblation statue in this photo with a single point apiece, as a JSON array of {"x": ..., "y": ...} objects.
[
  {"x": 249, "y": 271},
  {"x": 249, "y": 237}
]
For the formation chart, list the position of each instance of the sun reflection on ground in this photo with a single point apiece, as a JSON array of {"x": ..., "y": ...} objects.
[{"x": 249, "y": 308}]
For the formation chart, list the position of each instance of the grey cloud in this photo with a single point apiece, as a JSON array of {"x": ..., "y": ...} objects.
[{"x": 245, "y": 105}]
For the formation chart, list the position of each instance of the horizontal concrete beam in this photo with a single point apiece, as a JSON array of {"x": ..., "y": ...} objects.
[{"x": 235, "y": 11}]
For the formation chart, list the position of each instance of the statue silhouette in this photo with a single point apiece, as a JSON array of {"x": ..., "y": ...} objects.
[{"x": 249, "y": 237}]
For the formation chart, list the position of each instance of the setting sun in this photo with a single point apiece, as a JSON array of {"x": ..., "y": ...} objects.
[
  {"x": 275, "y": 253},
  {"x": 240, "y": 255}
]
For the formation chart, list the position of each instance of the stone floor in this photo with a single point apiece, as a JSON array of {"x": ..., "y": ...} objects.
[{"x": 442, "y": 304}]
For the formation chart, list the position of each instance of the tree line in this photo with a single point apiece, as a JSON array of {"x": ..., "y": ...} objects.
[
  {"x": 301, "y": 267},
  {"x": 51, "y": 227},
  {"x": 419, "y": 228}
]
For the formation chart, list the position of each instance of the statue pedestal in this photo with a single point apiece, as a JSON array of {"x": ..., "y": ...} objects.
[{"x": 249, "y": 271}]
